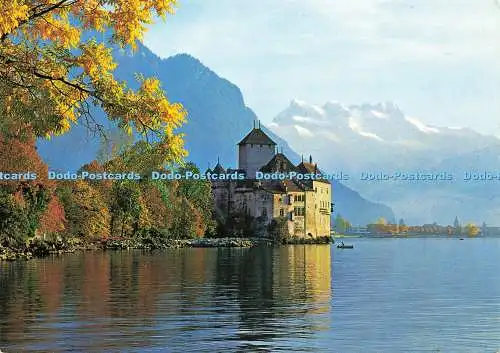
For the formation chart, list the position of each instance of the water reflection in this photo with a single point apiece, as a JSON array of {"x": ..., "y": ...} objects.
[{"x": 243, "y": 299}]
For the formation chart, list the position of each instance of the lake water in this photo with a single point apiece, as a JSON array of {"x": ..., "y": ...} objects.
[{"x": 385, "y": 295}]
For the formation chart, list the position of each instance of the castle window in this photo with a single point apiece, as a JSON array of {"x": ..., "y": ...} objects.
[
  {"x": 299, "y": 211},
  {"x": 282, "y": 212},
  {"x": 264, "y": 212}
]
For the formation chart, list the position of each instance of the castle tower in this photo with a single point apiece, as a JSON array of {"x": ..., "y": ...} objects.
[{"x": 254, "y": 151}]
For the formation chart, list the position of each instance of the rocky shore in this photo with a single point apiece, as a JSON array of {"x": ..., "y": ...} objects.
[
  {"x": 41, "y": 248},
  {"x": 228, "y": 242},
  {"x": 187, "y": 243}
]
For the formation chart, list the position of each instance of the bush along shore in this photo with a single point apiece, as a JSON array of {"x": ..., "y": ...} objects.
[{"x": 38, "y": 247}]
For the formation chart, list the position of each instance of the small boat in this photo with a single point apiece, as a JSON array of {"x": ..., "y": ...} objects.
[
  {"x": 340, "y": 246},
  {"x": 461, "y": 238}
]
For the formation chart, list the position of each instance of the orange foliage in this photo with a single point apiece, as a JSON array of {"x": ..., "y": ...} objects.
[
  {"x": 53, "y": 220},
  {"x": 18, "y": 156},
  {"x": 200, "y": 226},
  {"x": 102, "y": 186}
]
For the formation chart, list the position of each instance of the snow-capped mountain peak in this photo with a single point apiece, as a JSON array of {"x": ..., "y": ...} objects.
[
  {"x": 421, "y": 126},
  {"x": 361, "y": 131},
  {"x": 309, "y": 109},
  {"x": 381, "y": 138}
]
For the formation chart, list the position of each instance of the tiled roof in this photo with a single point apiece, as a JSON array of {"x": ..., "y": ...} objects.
[
  {"x": 279, "y": 163},
  {"x": 283, "y": 186},
  {"x": 219, "y": 169},
  {"x": 257, "y": 137},
  {"x": 310, "y": 168},
  {"x": 304, "y": 167}
]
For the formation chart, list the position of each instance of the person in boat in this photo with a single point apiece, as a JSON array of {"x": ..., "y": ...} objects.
[{"x": 342, "y": 243}]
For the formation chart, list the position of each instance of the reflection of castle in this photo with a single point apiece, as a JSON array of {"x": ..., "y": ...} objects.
[
  {"x": 304, "y": 204},
  {"x": 305, "y": 270}
]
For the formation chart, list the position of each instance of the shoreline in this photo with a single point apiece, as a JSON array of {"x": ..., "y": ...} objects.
[
  {"x": 420, "y": 236},
  {"x": 39, "y": 248}
]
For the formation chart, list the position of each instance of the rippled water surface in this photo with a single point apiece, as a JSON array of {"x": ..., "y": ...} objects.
[{"x": 385, "y": 295}]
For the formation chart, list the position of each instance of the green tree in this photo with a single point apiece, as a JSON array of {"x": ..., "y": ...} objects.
[
  {"x": 198, "y": 193},
  {"x": 87, "y": 213},
  {"x": 340, "y": 224},
  {"x": 278, "y": 230},
  {"x": 20, "y": 214},
  {"x": 184, "y": 225},
  {"x": 126, "y": 207}
]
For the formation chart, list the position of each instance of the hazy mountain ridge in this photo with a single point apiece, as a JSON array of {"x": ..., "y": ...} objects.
[
  {"x": 218, "y": 118},
  {"x": 382, "y": 138}
]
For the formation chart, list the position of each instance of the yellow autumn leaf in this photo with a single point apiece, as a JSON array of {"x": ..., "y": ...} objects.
[{"x": 42, "y": 46}]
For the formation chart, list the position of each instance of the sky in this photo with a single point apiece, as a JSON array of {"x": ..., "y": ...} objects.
[{"x": 438, "y": 60}]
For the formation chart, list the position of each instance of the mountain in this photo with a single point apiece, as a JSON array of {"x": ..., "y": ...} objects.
[
  {"x": 358, "y": 133},
  {"x": 381, "y": 138},
  {"x": 217, "y": 119}
]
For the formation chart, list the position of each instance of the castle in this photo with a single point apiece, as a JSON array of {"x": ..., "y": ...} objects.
[{"x": 305, "y": 205}]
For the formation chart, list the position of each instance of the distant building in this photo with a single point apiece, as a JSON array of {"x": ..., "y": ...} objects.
[
  {"x": 305, "y": 205},
  {"x": 358, "y": 230},
  {"x": 491, "y": 231}
]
